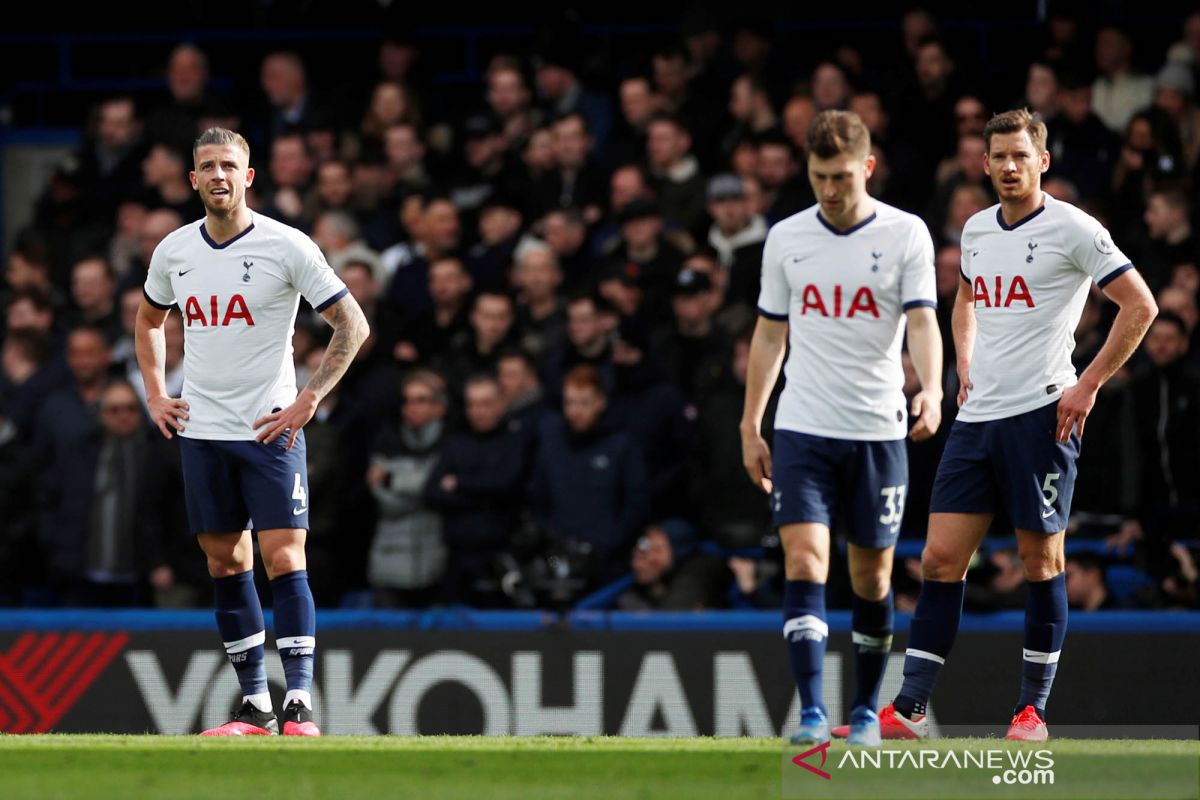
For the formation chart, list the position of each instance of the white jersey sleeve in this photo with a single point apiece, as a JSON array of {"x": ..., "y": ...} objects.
[
  {"x": 918, "y": 283},
  {"x": 1094, "y": 251},
  {"x": 311, "y": 274},
  {"x": 775, "y": 296},
  {"x": 158, "y": 289}
]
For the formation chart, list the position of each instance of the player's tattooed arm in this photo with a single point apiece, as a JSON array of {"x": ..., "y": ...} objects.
[{"x": 350, "y": 330}]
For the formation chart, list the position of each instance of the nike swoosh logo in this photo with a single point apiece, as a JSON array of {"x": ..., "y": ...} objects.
[
  {"x": 183, "y": 272},
  {"x": 1047, "y": 512},
  {"x": 298, "y": 511}
]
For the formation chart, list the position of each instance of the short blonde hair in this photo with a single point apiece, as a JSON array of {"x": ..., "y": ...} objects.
[
  {"x": 222, "y": 137},
  {"x": 835, "y": 132}
]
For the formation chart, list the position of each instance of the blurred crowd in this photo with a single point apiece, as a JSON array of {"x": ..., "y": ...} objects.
[{"x": 561, "y": 276}]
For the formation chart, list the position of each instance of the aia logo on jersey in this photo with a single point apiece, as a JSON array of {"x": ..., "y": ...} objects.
[
  {"x": 999, "y": 296},
  {"x": 814, "y": 302},
  {"x": 195, "y": 311}
]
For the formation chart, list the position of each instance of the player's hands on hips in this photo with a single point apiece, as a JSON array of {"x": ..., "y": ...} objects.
[
  {"x": 927, "y": 411},
  {"x": 756, "y": 457},
  {"x": 1073, "y": 409},
  {"x": 166, "y": 413},
  {"x": 292, "y": 418},
  {"x": 964, "y": 383}
]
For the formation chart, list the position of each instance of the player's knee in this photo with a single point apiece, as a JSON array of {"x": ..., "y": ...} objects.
[
  {"x": 225, "y": 563},
  {"x": 940, "y": 563},
  {"x": 804, "y": 564},
  {"x": 871, "y": 585},
  {"x": 285, "y": 560},
  {"x": 1041, "y": 565}
]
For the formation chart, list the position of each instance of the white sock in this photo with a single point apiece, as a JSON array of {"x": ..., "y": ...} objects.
[
  {"x": 260, "y": 701},
  {"x": 298, "y": 694}
]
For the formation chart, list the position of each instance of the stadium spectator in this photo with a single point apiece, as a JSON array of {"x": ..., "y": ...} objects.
[
  {"x": 1086, "y": 588},
  {"x": 784, "y": 189},
  {"x": 644, "y": 244},
  {"x": 291, "y": 106},
  {"x": 165, "y": 179},
  {"x": 565, "y": 233},
  {"x": 435, "y": 233},
  {"x": 510, "y": 101},
  {"x": 521, "y": 390},
  {"x": 178, "y": 120},
  {"x": 730, "y": 509},
  {"x": 751, "y": 109},
  {"x": 1082, "y": 149},
  {"x": 21, "y": 561},
  {"x": 112, "y": 508},
  {"x": 1041, "y": 90},
  {"x": 737, "y": 234},
  {"x": 476, "y": 485},
  {"x": 438, "y": 331},
  {"x": 289, "y": 174},
  {"x": 110, "y": 162},
  {"x": 675, "y": 172},
  {"x": 589, "y": 489},
  {"x": 575, "y": 181},
  {"x": 562, "y": 93},
  {"x": 490, "y": 258},
  {"x": 694, "y": 350},
  {"x": 93, "y": 294},
  {"x": 1118, "y": 91},
  {"x": 699, "y": 115},
  {"x": 587, "y": 342},
  {"x": 1174, "y": 95},
  {"x": 408, "y": 556},
  {"x": 670, "y": 574},
  {"x": 541, "y": 312},
  {"x": 1170, "y": 239},
  {"x": 1166, "y": 412},
  {"x": 492, "y": 329}
]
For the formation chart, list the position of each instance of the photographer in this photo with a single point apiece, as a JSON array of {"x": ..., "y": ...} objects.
[{"x": 670, "y": 575}]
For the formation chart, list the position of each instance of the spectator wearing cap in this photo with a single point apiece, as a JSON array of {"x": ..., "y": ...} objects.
[
  {"x": 737, "y": 235},
  {"x": 619, "y": 286},
  {"x": 670, "y": 572},
  {"x": 541, "y": 312},
  {"x": 693, "y": 349},
  {"x": 675, "y": 172},
  {"x": 489, "y": 259},
  {"x": 477, "y": 486},
  {"x": 644, "y": 244},
  {"x": 575, "y": 181},
  {"x": 561, "y": 92},
  {"x": 1082, "y": 148},
  {"x": 1174, "y": 95},
  {"x": 1118, "y": 91},
  {"x": 589, "y": 484}
]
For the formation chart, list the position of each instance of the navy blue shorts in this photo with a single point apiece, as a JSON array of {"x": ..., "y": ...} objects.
[
  {"x": 231, "y": 486},
  {"x": 1015, "y": 463},
  {"x": 814, "y": 477}
]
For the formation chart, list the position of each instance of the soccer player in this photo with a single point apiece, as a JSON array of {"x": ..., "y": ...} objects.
[
  {"x": 1027, "y": 266},
  {"x": 841, "y": 279},
  {"x": 238, "y": 277}
]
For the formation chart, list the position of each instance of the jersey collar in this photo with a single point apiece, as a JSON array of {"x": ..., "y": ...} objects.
[
  {"x": 850, "y": 230},
  {"x": 1006, "y": 227},
  {"x": 209, "y": 241}
]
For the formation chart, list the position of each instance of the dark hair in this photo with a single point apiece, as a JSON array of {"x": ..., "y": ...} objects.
[
  {"x": 518, "y": 352},
  {"x": 430, "y": 379},
  {"x": 836, "y": 132},
  {"x": 1171, "y": 318},
  {"x": 668, "y": 117},
  {"x": 1015, "y": 121},
  {"x": 39, "y": 298},
  {"x": 570, "y": 115}
]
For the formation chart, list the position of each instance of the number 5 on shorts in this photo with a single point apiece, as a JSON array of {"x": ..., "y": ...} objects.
[{"x": 1049, "y": 490}]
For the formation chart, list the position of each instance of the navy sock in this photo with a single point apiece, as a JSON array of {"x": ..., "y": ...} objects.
[
  {"x": 1045, "y": 630},
  {"x": 934, "y": 626},
  {"x": 871, "y": 626},
  {"x": 295, "y": 630},
  {"x": 805, "y": 631},
  {"x": 240, "y": 621}
]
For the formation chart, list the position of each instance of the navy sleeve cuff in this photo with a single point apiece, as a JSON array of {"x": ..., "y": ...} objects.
[
  {"x": 154, "y": 302},
  {"x": 331, "y": 301},
  {"x": 770, "y": 315},
  {"x": 911, "y": 304},
  {"x": 1116, "y": 273},
  {"x": 964, "y": 275}
]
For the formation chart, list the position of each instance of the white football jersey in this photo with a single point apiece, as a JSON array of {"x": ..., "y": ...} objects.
[
  {"x": 844, "y": 295},
  {"x": 1030, "y": 281},
  {"x": 239, "y": 301}
]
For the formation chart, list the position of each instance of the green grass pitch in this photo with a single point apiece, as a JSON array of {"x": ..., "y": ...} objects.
[{"x": 375, "y": 768}]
